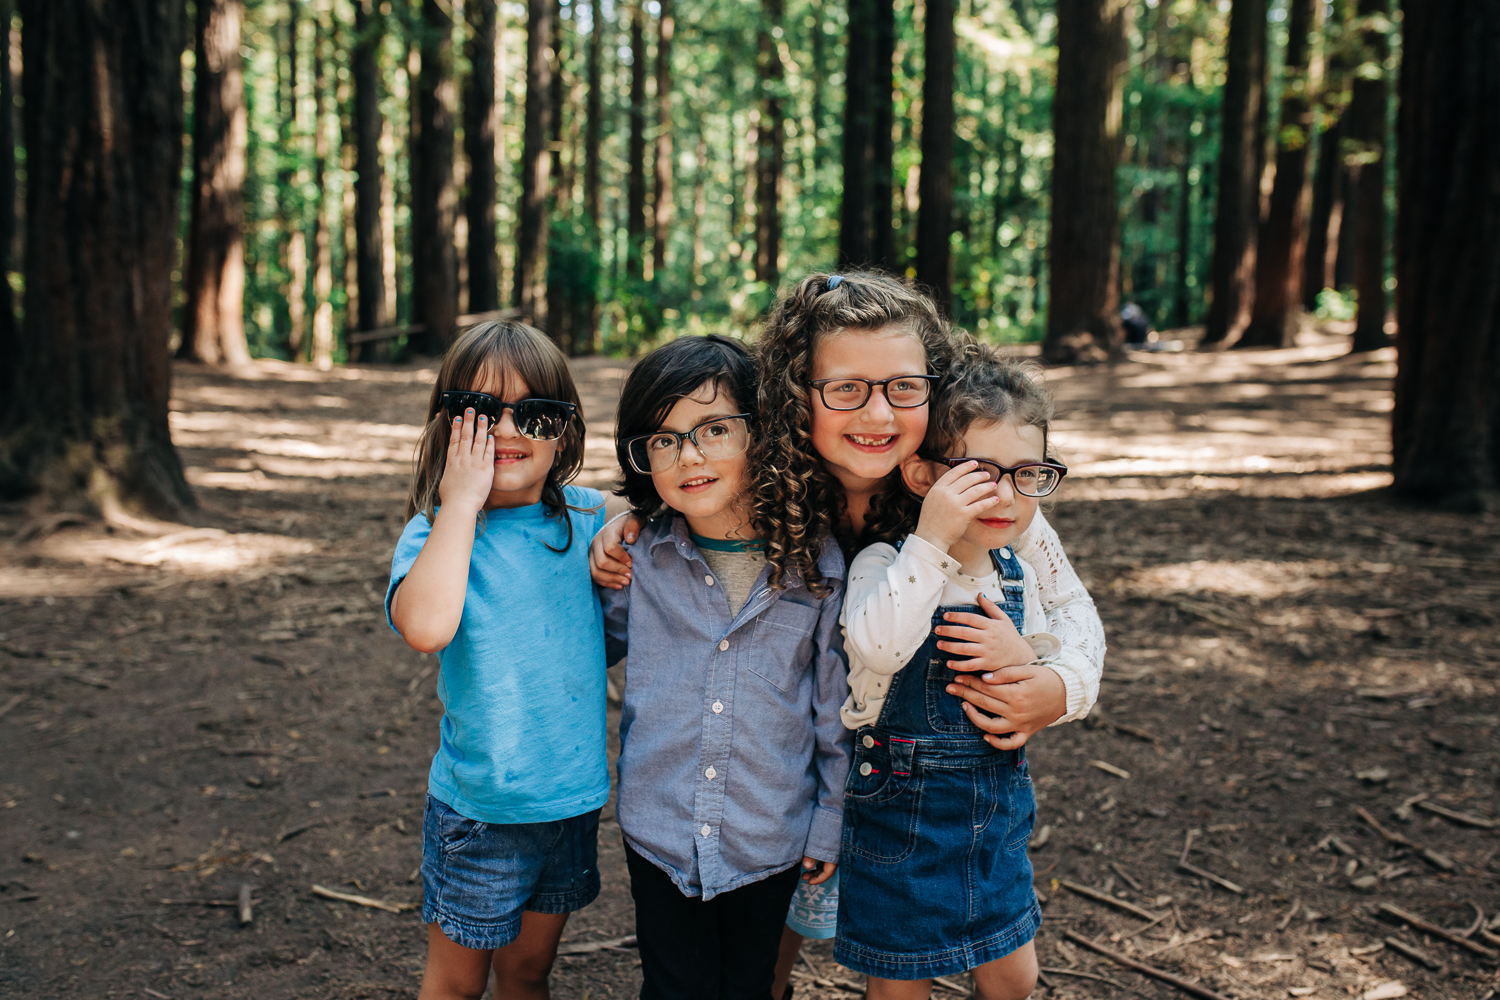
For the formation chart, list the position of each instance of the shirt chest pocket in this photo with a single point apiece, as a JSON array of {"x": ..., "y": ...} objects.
[{"x": 783, "y": 644}]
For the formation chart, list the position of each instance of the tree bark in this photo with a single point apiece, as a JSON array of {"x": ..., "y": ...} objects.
[
  {"x": 10, "y": 348},
  {"x": 1236, "y": 217},
  {"x": 1282, "y": 242},
  {"x": 662, "y": 210},
  {"x": 213, "y": 318},
  {"x": 882, "y": 141},
  {"x": 635, "y": 184},
  {"x": 320, "y": 350},
  {"x": 856, "y": 204},
  {"x": 1367, "y": 128},
  {"x": 103, "y": 120},
  {"x": 369, "y": 28},
  {"x": 1181, "y": 311},
  {"x": 770, "y": 148},
  {"x": 479, "y": 146},
  {"x": 1083, "y": 251},
  {"x": 935, "y": 191},
  {"x": 530, "y": 295},
  {"x": 289, "y": 182},
  {"x": 434, "y": 197},
  {"x": 586, "y": 325},
  {"x": 1324, "y": 220},
  {"x": 1445, "y": 429}
]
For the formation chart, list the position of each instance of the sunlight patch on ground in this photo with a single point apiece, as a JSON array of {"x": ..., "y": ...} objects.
[
  {"x": 204, "y": 551},
  {"x": 1247, "y": 578}
]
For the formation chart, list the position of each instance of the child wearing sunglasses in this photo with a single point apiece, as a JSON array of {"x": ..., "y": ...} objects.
[
  {"x": 938, "y": 809},
  {"x": 733, "y": 755},
  {"x": 491, "y": 574}
]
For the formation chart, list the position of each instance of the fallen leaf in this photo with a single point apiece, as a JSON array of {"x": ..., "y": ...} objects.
[{"x": 1385, "y": 991}]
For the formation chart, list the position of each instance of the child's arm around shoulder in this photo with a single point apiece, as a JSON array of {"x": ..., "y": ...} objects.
[
  {"x": 615, "y": 600},
  {"x": 427, "y": 605},
  {"x": 1071, "y": 617}
]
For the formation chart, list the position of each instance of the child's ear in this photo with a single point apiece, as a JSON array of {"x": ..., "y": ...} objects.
[{"x": 919, "y": 475}]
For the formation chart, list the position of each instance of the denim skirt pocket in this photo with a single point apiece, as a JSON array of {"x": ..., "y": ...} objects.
[
  {"x": 1022, "y": 807},
  {"x": 881, "y": 811}
]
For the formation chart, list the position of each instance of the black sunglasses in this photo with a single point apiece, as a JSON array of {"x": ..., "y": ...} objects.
[
  {"x": 538, "y": 419},
  {"x": 1031, "y": 479}
]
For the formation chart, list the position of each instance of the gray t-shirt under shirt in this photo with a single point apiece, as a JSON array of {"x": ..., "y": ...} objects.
[{"x": 736, "y": 571}]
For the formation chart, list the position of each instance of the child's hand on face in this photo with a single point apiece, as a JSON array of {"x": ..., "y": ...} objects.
[
  {"x": 609, "y": 563},
  {"x": 815, "y": 872},
  {"x": 469, "y": 474},
  {"x": 1021, "y": 701},
  {"x": 991, "y": 643},
  {"x": 955, "y": 500}
]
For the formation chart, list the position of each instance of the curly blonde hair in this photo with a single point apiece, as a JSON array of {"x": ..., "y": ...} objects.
[{"x": 798, "y": 502}]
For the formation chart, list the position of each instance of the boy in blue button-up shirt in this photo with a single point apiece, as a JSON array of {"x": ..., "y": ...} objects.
[{"x": 733, "y": 755}]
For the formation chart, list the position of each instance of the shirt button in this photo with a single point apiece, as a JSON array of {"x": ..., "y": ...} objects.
[
  {"x": 708, "y": 580},
  {"x": 865, "y": 768},
  {"x": 869, "y": 741},
  {"x": 718, "y": 707},
  {"x": 710, "y": 774},
  {"x": 723, "y": 645},
  {"x": 705, "y": 831}
]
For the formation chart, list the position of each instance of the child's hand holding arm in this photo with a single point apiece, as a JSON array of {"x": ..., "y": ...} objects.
[
  {"x": 991, "y": 642},
  {"x": 1021, "y": 700},
  {"x": 429, "y": 603}
]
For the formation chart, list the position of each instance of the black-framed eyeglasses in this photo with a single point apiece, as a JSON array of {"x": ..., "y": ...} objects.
[
  {"x": 1031, "y": 479},
  {"x": 721, "y": 437},
  {"x": 901, "y": 391},
  {"x": 538, "y": 419}
]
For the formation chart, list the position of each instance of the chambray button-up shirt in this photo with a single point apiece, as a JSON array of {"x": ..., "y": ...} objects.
[{"x": 733, "y": 755}]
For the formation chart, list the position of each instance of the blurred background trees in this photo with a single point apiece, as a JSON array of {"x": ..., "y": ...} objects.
[{"x": 363, "y": 176}]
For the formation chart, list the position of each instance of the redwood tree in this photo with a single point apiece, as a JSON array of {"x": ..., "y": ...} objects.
[
  {"x": 213, "y": 320},
  {"x": 103, "y": 121},
  {"x": 935, "y": 191},
  {"x": 635, "y": 180},
  {"x": 1445, "y": 429},
  {"x": 661, "y": 221},
  {"x": 1084, "y": 250},
  {"x": 1236, "y": 216},
  {"x": 9, "y": 348},
  {"x": 1283, "y": 236},
  {"x": 770, "y": 149},
  {"x": 866, "y": 237},
  {"x": 479, "y": 145},
  {"x": 530, "y": 294},
  {"x": 368, "y": 182},
  {"x": 1367, "y": 128},
  {"x": 434, "y": 198}
]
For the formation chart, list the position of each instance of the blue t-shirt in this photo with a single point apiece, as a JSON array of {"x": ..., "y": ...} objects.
[{"x": 522, "y": 683}]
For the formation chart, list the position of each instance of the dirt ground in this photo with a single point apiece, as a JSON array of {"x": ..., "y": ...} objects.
[{"x": 186, "y": 709}]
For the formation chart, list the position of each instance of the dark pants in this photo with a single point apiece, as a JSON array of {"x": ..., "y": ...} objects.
[{"x": 724, "y": 949}]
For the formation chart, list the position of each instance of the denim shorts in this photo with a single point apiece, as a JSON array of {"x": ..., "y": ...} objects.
[{"x": 479, "y": 877}]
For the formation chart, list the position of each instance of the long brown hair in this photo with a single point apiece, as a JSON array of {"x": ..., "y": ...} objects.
[
  {"x": 489, "y": 352},
  {"x": 798, "y": 502}
]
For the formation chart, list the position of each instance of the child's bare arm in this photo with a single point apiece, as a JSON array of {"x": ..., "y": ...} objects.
[{"x": 429, "y": 604}]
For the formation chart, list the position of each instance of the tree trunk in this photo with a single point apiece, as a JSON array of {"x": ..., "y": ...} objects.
[
  {"x": 559, "y": 195},
  {"x": 368, "y": 184},
  {"x": 289, "y": 182},
  {"x": 635, "y": 185},
  {"x": 479, "y": 146},
  {"x": 586, "y": 324},
  {"x": 1327, "y": 213},
  {"x": 935, "y": 211},
  {"x": 530, "y": 295},
  {"x": 320, "y": 350},
  {"x": 213, "y": 320},
  {"x": 434, "y": 197},
  {"x": 1445, "y": 429},
  {"x": 1236, "y": 217},
  {"x": 1083, "y": 251},
  {"x": 859, "y": 129},
  {"x": 882, "y": 142},
  {"x": 662, "y": 211},
  {"x": 1283, "y": 237},
  {"x": 103, "y": 119},
  {"x": 1181, "y": 313},
  {"x": 770, "y": 151},
  {"x": 10, "y": 348},
  {"x": 1367, "y": 128}
]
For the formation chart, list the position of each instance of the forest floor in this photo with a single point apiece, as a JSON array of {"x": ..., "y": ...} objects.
[{"x": 191, "y": 708}]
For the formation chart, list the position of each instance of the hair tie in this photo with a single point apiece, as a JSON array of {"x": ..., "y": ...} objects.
[{"x": 834, "y": 281}]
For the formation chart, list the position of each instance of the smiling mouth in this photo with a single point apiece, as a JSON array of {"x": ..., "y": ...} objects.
[
  {"x": 696, "y": 484},
  {"x": 510, "y": 456},
  {"x": 871, "y": 440}
]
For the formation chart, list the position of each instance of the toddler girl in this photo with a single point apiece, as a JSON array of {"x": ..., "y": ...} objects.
[
  {"x": 733, "y": 756},
  {"x": 935, "y": 875},
  {"x": 491, "y": 574}
]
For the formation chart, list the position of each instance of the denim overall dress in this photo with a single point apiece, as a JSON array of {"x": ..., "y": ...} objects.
[{"x": 935, "y": 878}]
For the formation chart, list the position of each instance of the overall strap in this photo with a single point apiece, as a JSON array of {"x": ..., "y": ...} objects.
[{"x": 1012, "y": 585}]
